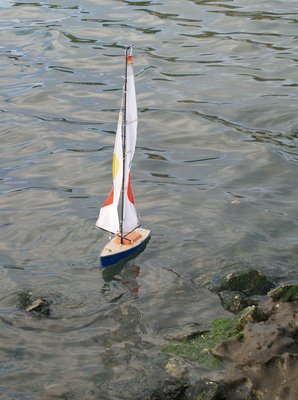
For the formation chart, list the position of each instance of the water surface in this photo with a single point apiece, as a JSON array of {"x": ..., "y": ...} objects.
[{"x": 214, "y": 176}]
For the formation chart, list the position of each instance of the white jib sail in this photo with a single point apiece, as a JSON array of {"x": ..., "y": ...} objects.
[
  {"x": 108, "y": 217},
  {"x": 130, "y": 219}
]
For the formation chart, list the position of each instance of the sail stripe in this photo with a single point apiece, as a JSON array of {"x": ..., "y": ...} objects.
[
  {"x": 129, "y": 191},
  {"x": 109, "y": 200}
]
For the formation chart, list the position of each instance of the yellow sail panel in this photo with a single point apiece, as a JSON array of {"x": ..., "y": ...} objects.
[{"x": 115, "y": 165}]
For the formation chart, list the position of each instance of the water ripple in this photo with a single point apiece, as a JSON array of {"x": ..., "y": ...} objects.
[{"x": 214, "y": 176}]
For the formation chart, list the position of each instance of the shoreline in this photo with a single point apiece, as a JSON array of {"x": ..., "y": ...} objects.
[{"x": 260, "y": 359}]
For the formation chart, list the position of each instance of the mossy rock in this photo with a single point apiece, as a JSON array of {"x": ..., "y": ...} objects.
[
  {"x": 185, "y": 332},
  {"x": 250, "y": 314},
  {"x": 199, "y": 348},
  {"x": 205, "y": 389},
  {"x": 284, "y": 293},
  {"x": 249, "y": 282},
  {"x": 235, "y": 302}
]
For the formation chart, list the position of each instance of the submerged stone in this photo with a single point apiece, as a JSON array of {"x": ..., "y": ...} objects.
[
  {"x": 176, "y": 367},
  {"x": 250, "y": 282},
  {"x": 185, "y": 332},
  {"x": 200, "y": 347},
  {"x": 284, "y": 293},
  {"x": 161, "y": 389},
  {"x": 39, "y": 306},
  {"x": 206, "y": 390},
  {"x": 24, "y": 299}
]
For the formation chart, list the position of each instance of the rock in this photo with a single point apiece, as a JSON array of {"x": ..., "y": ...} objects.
[
  {"x": 249, "y": 314},
  {"x": 276, "y": 379},
  {"x": 264, "y": 362},
  {"x": 250, "y": 282},
  {"x": 206, "y": 390},
  {"x": 284, "y": 293},
  {"x": 184, "y": 332},
  {"x": 39, "y": 306},
  {"x": 235, "y": 302},
  {"x": 148, "y": 382},
  {"x": 239, "y": 388},
  {"x": 169, "y": 389},
  {"x": 176, "y": 367}
]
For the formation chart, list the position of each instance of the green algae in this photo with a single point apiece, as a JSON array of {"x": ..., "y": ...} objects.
[
  {"x": 199, "y": 348},
  {"x": 285, "y": 293}
]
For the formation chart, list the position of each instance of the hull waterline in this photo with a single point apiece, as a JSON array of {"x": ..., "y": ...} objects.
[{"x": 114, "y": 252}]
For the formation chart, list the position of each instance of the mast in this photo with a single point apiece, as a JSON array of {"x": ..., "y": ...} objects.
[{"x": 123, "y": 145}]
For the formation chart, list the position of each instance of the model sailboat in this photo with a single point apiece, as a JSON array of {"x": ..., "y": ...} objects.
[{"x": 118, "y": 213}]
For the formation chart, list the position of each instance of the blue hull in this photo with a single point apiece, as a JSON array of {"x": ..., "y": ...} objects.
[{"x": 125, "y": 255}]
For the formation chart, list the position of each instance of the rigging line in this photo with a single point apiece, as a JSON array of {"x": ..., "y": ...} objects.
[{"x": 123, "y": 146}]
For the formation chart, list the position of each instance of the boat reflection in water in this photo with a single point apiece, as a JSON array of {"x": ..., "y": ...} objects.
[{"x": 125, "y": 274}]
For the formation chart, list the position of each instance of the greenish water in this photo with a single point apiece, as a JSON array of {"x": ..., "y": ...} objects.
[{"x": 214, "y": 175}]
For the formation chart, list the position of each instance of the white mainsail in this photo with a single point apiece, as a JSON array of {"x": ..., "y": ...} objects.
[
  {"x": 108, "y": 217},
  {"x": 130, "y": 219}
]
